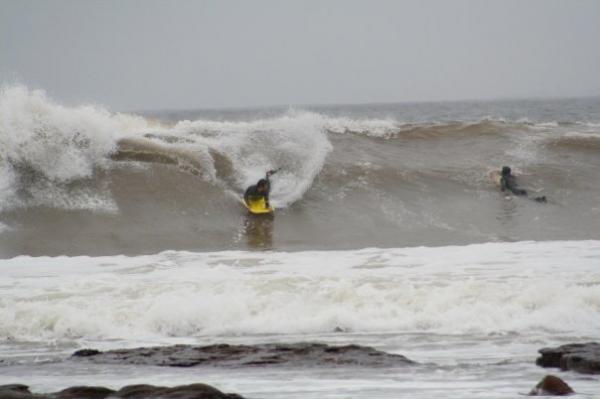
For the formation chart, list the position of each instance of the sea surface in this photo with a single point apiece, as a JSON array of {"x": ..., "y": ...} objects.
[{"x": 122, "y": 229}]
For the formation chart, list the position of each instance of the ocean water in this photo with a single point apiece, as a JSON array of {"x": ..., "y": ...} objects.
[
  {"x": 125, "y": 229},
  {"x": 473, "y": 316},
  {"x": 84, "y": 181}
]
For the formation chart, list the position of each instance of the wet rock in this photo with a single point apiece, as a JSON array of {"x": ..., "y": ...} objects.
[
  {"x": 15, "y": 391},
  {"x": 193, "y": 391},
  {"x": 137, "y": 391},
  {"x": 83, "y": 392},
  {"x": 86, "y": 352},
  {"x": 223, "y": 355},
  {"x": 582, "y": 358},
  {"x": 551, "y": 385}
]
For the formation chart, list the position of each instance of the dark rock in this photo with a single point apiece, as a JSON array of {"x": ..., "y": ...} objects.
[
  {"x": 222, "y": 355},
  {"x": 551, "y": 385},
  {"x": 15, "y": 387},
  {"x": 136, "y": 391},
  {"x": 83, "y": 392},
  {"x": 15, "y": 391},
  {"x": 583, "y": 358},
  {"x": 193, "y": 391},
  {"x": 86, "y": 352}
]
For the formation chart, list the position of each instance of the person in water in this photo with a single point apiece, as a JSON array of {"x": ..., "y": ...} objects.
[
  {"x": 260, "y": 190},
  {"x": 508, "y": 181}
]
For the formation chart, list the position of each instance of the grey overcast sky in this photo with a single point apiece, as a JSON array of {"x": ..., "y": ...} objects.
[{"x": 134, "y": 54}]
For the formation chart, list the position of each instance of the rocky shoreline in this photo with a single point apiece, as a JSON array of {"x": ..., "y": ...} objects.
[
  {"x": 582, "y": 358},
  {"x": 192, "y": 391},
  {"x": 234, "y": 356},
  {"x": 549, "y": 386},
  {"x": 220, "y": 355}
]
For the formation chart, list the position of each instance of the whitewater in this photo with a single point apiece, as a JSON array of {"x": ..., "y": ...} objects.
[
  {"x": 483, "y": 289},
  {"x": 476, "y": 313},
  {"x": 120, "y": 230}
]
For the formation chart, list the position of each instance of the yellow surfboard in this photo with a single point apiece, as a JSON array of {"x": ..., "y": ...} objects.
[{"x": 257, "y": 207}]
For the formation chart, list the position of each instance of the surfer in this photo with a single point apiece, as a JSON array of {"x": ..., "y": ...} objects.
[
  {"x": 260, "y": 190},
  {"x": 508, "y": 181}
]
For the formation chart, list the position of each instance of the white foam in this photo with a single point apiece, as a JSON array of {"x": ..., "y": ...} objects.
[
  {"x": 7, "y": 184},
  {"x": 590, "y": 124},
  {"x": 550, "y": 124},
  {"x": 583, "y": 135},
  {"x": 295, "y": 142},
  {"x": 370, "y": 127},
  {"x": 62, "y": 144},
  {"x": 528, "y": 288}
]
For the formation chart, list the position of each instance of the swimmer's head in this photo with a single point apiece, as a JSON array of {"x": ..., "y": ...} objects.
[{"x": 505, "y": 171}]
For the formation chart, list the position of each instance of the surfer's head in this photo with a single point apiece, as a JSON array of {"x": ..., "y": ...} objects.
[
  {"x": 261, "y": 186},
  {"x": 505, "y": 171}
]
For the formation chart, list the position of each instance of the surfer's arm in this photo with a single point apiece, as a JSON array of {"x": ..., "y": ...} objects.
[
  {"x": 272, "y": 172},
  {"x": 269, "y": 173}
]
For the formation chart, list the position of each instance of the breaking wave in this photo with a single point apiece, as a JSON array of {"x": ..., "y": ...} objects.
[
  {"x": 48, "y": 150},
  {"x": 44, "y": 145},
  {"x": 577, "y": 141},
  {"x": 500, "y": 288},
  {"x": 349, "y": 177}
]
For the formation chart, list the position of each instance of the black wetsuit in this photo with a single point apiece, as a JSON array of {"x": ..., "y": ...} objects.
[
  {"x": 509, "y": 182},
  {"x": 253, "y": 194}
]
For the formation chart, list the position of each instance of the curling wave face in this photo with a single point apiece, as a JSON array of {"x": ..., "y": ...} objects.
[
  {"x": 83, "y": 180},
  {"x": 48, "y": 145}
]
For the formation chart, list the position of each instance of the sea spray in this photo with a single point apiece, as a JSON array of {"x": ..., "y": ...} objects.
[{"x": 46, "y": 144}]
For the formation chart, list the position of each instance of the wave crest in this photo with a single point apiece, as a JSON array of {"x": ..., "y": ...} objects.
[{"x": 41, "y": 141}]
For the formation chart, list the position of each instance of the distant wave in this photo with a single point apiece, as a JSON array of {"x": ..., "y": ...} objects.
[
  {"x": 389, "y": 129},
  {"x": 577, "y": 141}
]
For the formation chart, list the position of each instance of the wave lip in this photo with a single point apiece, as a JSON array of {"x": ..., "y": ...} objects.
[{"x": 577, "y": 141}]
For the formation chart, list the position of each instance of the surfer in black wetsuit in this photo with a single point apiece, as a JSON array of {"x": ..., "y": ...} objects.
[
  {"x": 508, "y": 181},
  {"x": 260, "y": 190}
]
